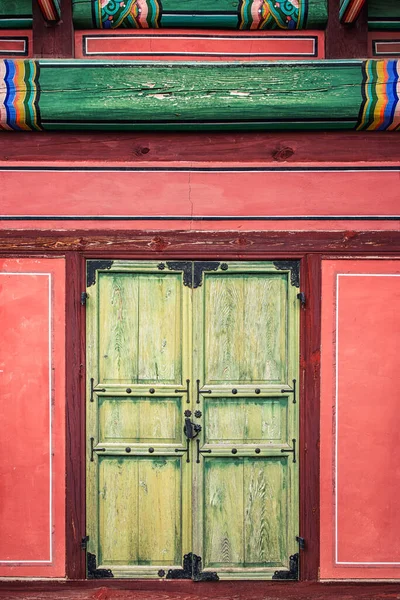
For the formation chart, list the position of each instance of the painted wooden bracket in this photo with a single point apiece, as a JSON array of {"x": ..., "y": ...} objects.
[
  {"x": 51, "y": 10},
  {"x": 350, "y": 10}
]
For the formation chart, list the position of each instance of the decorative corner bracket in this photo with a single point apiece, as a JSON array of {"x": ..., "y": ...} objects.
[
  {"x": 290, "y": 265},
  {"x": 193, "y": 271},
  {"x": 93, "y": 572},
  {"x": 192, "y": 569},
  {"x": 93, "y": 266},
  {"x": 293, "y": 572}
]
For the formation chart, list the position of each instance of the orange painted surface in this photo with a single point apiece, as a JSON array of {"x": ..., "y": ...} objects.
[
  {"x": 201, "y": 193},
  {"x": 360, "y": 470},
  {"x": 32, "y": 421},
  {"x": 178, "y": 44}
]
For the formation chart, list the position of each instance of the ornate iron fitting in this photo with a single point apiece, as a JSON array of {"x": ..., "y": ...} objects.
[
  {"x": 192, "y": 569},
  {"x": 293, "y": 572},
  {"x": 93, "y": 266},
  {"x": 290, "y": 265},
  {"x": 93, "y": 572}
]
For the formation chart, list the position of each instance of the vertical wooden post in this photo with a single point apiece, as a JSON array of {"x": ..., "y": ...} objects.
[
  {"x": 310, "y": 344},
  {"x": 53, "y": 40},
  {"x": 75, "y": 419},
  {"x": 346, "y": 41}
]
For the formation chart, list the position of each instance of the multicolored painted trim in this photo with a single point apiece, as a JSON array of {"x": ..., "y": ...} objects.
[
  {"x": 19, "y": 95},
  {"x": 270, "y": 14},
  {"x": 380, "y": 110},
  {"x": 349, "y": 10},
  {"x": 50, "y": 10},
  {"x": 134, "y": 14}
]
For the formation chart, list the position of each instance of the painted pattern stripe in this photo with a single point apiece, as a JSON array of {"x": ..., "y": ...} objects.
[
  {"x": 380, "y": 109},
  {"x": 350, "y": 10},
  {"x": 50, "y": 10},
  {"x": 19, "y": 95}
]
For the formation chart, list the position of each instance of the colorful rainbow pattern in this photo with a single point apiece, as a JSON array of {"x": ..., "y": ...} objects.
[
  {"x": 51, "y": 10},
  {"x": 380, "y": 110},
  {"x": 19, "y": 95},
  {"x": 350, "y": 9},
  {"x": 134, "y": 14},
  {"x": 271, "y": 14}
]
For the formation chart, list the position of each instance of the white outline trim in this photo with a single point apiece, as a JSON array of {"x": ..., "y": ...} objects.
[
  {"x": 50, "y": 323},
  {"x": 228, "y": 39},
  {"x": 338, "y": 275},
  {"x": 5, "y": 39}
]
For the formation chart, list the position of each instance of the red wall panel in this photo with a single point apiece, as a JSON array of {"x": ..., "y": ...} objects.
[
  {"x": 305, "y": 197},
  {"x": 360, "y": 471},
  {"x": 32, "y": 422}
]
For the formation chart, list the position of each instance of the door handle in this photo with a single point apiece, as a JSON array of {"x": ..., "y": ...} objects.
[{"x": 191, "y": 430}]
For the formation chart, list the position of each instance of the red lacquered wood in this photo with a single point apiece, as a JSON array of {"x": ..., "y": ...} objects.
[
  {"x": 310, "y": 330},
  {"x": 53, "y": 40}
]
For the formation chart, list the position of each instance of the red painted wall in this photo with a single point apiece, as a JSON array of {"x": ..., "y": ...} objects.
[
  {"x": 32, "y": 422},
  {"x": 360, "y": 470},
  {"x": 208, "y": 190}
]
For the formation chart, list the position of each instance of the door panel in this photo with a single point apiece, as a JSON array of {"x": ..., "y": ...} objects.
[
  {"x": 138, "y": 501},
  {"x": 192, "y": 419},
  {"x": 245, "y": 495}
]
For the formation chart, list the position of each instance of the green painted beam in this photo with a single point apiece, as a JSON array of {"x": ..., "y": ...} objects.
[
  {"x": 384, "y": 14},
  {"x": 15, "y": 14},
  {"x": 79, "y": 95},
  {"x": 211, "y": 14}
]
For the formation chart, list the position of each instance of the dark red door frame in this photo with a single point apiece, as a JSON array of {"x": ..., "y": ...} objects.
[{"x": 309, "y": 411}]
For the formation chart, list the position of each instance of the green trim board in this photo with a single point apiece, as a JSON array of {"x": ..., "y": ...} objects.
[
  {"x": 384, "y": 14},
  {"x": 89, "y": 95},
  {"x": 16, "y": 14},
  {"x": 224, "y": 14}
]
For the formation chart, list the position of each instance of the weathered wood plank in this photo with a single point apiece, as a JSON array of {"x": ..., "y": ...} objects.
[
  {"x": 60, "y": 95},
  {"x": 236, "y": 14},
  {"x": 383, "y": 14}
]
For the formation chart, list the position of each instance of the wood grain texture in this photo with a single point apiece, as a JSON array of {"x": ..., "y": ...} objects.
[
  {"x": 75, "y": 419},
  {"x": 383, "y": 14},
  {"x": 199, "y": 244},
  {"x": 284, "y": 148},
  {"x": 16, "y": 14},
  {"x": 310, "y": 353}
]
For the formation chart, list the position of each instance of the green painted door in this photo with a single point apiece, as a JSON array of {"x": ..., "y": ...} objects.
[{"x": 192, "y": 419}]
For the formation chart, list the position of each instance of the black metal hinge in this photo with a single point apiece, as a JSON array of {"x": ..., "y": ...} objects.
[
  {"x": 84, "y": 297},
  {"x": 302, "y": 297},
  {"x": 192, "y": 569},
  {"x": 93, "y": 572},
  {"x": 290, "y": 265},
  {"x": 301, "y": 541},
  {"x": 293, "y": 572},
  {"x": 84, "y": 542}
]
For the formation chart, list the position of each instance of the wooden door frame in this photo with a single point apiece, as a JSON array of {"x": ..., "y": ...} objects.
[{"x": 309, "y": 407}]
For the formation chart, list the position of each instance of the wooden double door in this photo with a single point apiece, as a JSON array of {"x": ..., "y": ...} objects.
[{"x": 192, "y": 419}]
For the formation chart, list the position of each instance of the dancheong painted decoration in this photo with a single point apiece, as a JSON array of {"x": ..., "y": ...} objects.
[
  {"x": 57, "y": 95},
  {"x": 239, "y": 14}
]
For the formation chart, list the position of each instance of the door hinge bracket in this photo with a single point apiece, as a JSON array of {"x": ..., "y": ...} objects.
[
  {"x": 93, "y": 572},
  {"x": 293, "y": 572},
  {"x": 84, "y": 297},
  {"x": 193, "y": 271},
  {"x": 290, "y": 265},
  {"x": 192, "y": 569},
  {"x": 93, "y": 266},
  {"x": 293, "y": 450},
  {"x": 301, "y": 541},
  {"x": 302, "y": 297},
  {"x": 84, "y": 542}
]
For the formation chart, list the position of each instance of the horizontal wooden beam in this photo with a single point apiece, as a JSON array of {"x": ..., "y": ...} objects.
[
  {"x": 177, "y": 244},
  {"x": 236, "y": 14},
  {"x": 89, "y": 95},
  {"x": 15, "y": 14},
  {"x": 129, "y": 148},
  {"x": 350, "y": 10},
  {"x": 384, "y": 14}
]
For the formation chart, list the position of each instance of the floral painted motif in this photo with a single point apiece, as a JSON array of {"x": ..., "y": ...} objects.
[
  {"x": 134, "y": 14},
  {"x": 271, "y": 14}
]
